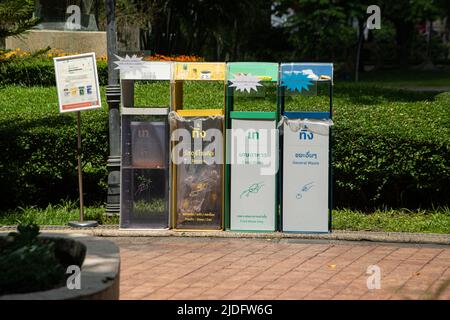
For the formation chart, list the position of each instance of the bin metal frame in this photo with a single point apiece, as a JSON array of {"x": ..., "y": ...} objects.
[
  {"x": 147, "y": 70},
  {"x": 319, "y": 115},
  {"x": 267, "y": 72},
  {"x": 195, "y": 71}
]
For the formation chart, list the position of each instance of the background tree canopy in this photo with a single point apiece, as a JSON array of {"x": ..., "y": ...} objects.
[
  {"x": 302, "y": 30},
  {"x": 15, "y": 17},
  {"x": 412, "y": 32}
]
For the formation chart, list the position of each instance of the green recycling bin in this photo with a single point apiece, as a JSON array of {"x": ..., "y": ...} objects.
[{"x": 252, "y": 149}]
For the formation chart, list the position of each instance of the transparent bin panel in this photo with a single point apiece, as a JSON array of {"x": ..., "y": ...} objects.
[
  {"x": 199, "y": 185},
  {"x": 144, "y": 143},
  {"x": 144, "y": 198},
  {"x": 145, "y": 172}
]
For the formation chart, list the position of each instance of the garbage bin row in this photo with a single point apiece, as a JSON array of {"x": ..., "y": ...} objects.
[{"x": 222, "y": 169}]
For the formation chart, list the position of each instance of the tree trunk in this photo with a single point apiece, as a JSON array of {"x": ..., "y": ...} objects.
[
  {"x": 404, "y": 32},
  {"x": 359, "y": 49}
]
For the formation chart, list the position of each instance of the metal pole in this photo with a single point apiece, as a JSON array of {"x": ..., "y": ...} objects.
[
  {"x": 113, "y": 94},
  {"x": 80, "y": 172},
  {"x": 111, "y": 40},
  {"x": 81, "y": 223}
]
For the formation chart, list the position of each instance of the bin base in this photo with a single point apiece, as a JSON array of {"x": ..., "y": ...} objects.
[{"x": 83, "y": 224}]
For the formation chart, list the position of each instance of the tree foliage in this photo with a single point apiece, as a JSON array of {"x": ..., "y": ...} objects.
[{"x": 16, "y": 17}]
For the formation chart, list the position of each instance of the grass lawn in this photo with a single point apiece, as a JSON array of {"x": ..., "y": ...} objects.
[
  {"x": 56, "y": 215},
  {"x": 403, "y": 220},
  {"x": 408, "y": 78},
  {"x": 368, "y": 104}
]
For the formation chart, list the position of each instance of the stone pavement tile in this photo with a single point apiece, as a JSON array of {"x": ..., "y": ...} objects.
[
  {"x": 266, "y": 276},
  {"x": 312, "y": 264},
  {"x": 422, "y": 281},
  {"x": 206, "y": 282},
  {"x": 296, "y": 292},
  {"x": 138, "y": 296},
  {"x": 188, "y": 294},
  {"x": 139, "y": 282},
  {"x": 356, "y": 288},
  {"x": 230, "y": 285},
  {"x": 392, "y": 283},
  {"x": 266, "y": 294},
  {"x": 161, "y": 294},
  {"x": 376, "y": 295},
  {"x": 214, "y": 294},
  {"x": 344, "y": 297},
  {"x": 184, "y": 281},
  {"x": 303, "y": 286},
  {"x": 440, "y": 287},
  {"x": 334, "y": 251},
  {"x": 427, "y": 253},
  {"x": 321, "y": 294},
  {"x": 295, "y": 295},
  {"x": 445, "y": 255},
  {"x": 402, "y": 254},
  {"x": 154, "y": 281},
  {"x": 176, "y": 285},
  {"x": 240, "y": 293},
  {"x": 125, "y": 288},
  {"x": 444, "y": 296},
  {"x": 294, "y": 276},
  {"x": 349, "y": 273},
  {"x": 137, "y": 293},
  {"x": 280, "y": 284},
  {"x": 277, "y": 271},
  {"x": 244, "y": 268},
  {"x": 253, "y": 285}
]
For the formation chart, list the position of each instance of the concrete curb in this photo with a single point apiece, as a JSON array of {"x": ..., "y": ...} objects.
[{"x": 338, "y": 235}]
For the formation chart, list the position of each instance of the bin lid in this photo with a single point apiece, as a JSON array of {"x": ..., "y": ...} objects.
[
  {"x": 263, "y": 71},
  {"x": 307, "y": 115},
  {"x": 293, "y": 75},
  {"x": 134, "y": 68},
  {"x": 255, "y": 115},
  {"x": 199, "y": 71}
]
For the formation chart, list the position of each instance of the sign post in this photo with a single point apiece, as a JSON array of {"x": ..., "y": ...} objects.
[
  {"x": 306, "y": 151},
  {"x": 78, "y": 89},
  {"x": 253, "y": 151},
  {"x": 80, "y": 171}
]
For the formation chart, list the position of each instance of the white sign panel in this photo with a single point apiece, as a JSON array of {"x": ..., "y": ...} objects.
[
  {"x": 77, "y": 82},
  {"x": 305, "y": 181},
  {"x": 134, "y": 68},
  {"x": 252, "y": 193}
]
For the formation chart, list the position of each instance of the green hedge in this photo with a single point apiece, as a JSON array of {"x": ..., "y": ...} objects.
[
  {"x": 390, "y": 148},
  {"x": 38, "y": 72},
  {"x": 39, "y": 163}
]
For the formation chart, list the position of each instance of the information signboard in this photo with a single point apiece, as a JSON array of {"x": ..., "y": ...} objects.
[{"x": 77, "y": 82}]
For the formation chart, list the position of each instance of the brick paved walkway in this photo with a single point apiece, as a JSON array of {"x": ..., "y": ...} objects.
[{"x": 211, "y": 268}]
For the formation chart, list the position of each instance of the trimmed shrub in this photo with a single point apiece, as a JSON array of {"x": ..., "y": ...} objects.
[
  {"x": 39, "y": 162},
  {"x": 390, "y": 148},
  {"x": 38, "y": 72}
]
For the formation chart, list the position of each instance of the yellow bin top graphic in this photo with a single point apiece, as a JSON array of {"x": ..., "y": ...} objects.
[{"x": 200, "y": 71}]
